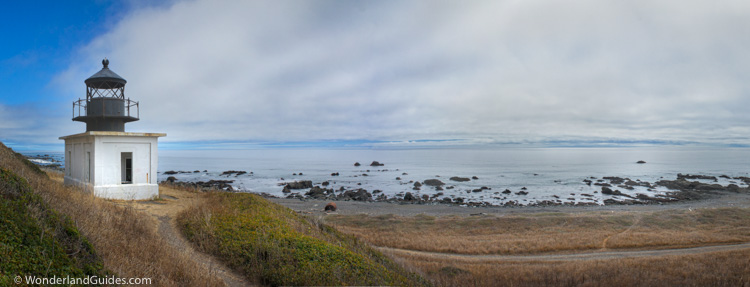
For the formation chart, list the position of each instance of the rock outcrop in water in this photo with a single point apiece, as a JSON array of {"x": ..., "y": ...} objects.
[
  {"x": 460, "y": 179},
  {"x": 433, "y": 182}
]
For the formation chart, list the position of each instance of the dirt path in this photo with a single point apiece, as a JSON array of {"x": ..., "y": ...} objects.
[
  {"x": 164, "y": 212},
  {"x": 567, "y": 257},
  {"x": 637, "y": 220}
]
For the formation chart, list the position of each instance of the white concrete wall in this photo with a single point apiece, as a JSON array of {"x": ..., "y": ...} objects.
[
  {"x": 76, "y": 165},
  {"x": 107, "y": 166}
]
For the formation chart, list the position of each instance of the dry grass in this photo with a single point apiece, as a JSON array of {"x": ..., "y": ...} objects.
[
  {"x": 121, "y": 236},
  {"x": 550, "y": 232},
  {"x": 710, "y": 269},
  {"x": 565, "y": 233}
]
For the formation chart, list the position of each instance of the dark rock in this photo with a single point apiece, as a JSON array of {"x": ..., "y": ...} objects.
[
  {"x": 614, "y": 179},
  {"x": 507, "y": 191},
  {"x": 235, "y": 172},
  {"x": 318, "y": 193},
  {"x": 588, "y": 182},
  {"x": 335, "y": 174},
  {"x": 196, "y": 171},
  {"x": 610, "y": 201},
  {"x": 398, "y": 178},
  {"x": 696, "y": 176},
  {"x": 433, "y": 182},
  {"x": 641, "y": 162},
  {"x": 522, "y": 193},
  {"x": 331, "y": 206},
  {"x": 357, "y": 164},
  {"x": 357, "y": 195},
  {"x": 170, "y": 172},
  {"x": 608, "y": 191},
  {"x": 300, "y": 184},
  {"x": 171, "y": 179},
  {"x": 459, "y": 179},
  {"x": 733, "y": 188},
  {"x": 417, "y": 184},
  {"x": 215, "y": 184},
  {"x": 376, "y": 163},
  {"x": 325, "y": 183},
  {"x": 474, "y": 177},
  {"x": 409, "y": 197}
]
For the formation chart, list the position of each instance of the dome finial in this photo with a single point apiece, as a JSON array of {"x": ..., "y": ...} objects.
[{"x": 105, "y": 62}]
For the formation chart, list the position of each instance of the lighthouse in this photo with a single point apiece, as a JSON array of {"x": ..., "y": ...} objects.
[{"x": 106, "y": 160}]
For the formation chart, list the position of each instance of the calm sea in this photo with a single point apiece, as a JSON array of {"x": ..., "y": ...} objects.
[{"x": 544, "y": 172}]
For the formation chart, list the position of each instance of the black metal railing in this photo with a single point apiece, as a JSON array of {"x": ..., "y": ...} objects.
[{"x": 80, "y": 108}]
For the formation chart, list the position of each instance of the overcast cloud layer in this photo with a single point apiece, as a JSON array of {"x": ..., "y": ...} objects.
[{"x": 476, "y": 71}]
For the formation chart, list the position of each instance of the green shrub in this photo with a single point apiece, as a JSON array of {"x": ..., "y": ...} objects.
[
  {"x": 36, "y": 240},
  {"x": 277, "y": 246}
]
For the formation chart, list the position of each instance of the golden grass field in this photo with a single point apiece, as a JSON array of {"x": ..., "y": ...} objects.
[
  {"x": 550, "y": 232},
  {"x": 563, "y": 233}
]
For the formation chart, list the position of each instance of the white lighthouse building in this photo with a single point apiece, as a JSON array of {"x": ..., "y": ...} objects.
[{"x": 105, "y": 159}]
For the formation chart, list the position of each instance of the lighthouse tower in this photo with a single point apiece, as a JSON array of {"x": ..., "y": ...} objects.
[{"x": 105, "y": 159}]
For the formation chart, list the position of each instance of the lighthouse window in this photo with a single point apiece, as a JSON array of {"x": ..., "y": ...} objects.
[{"x": 126, "y": 159}]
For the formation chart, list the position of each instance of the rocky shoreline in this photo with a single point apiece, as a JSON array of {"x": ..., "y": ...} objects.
[{"x": 686, "y": 187}]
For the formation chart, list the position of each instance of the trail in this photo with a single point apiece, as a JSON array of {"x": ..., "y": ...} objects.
[
  {"x": 637, "y": 220},
  {"x": 164, "y": 212},
  {"x": 569, "y": 257}
]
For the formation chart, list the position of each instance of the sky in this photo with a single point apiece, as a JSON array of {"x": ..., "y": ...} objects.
[{"x": 242, "y": 74}]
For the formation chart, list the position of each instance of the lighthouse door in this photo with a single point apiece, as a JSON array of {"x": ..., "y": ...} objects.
[{"x": 126, "y": 160}]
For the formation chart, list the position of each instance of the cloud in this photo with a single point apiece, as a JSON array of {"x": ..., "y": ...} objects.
[{"x": 404, "y": 70}]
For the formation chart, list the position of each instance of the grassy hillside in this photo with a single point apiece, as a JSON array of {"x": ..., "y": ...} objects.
[
  {"x": 74, "y": 233},
  {"x": 37, "y": 240},
  {"x": 275, "y": 246}
]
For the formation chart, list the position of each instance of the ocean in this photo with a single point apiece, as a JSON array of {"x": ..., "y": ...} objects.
[{"x": 555, "y": 174}]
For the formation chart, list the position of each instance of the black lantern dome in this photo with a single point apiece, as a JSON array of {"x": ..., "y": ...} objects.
[{"x": 105, "y": 107}]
